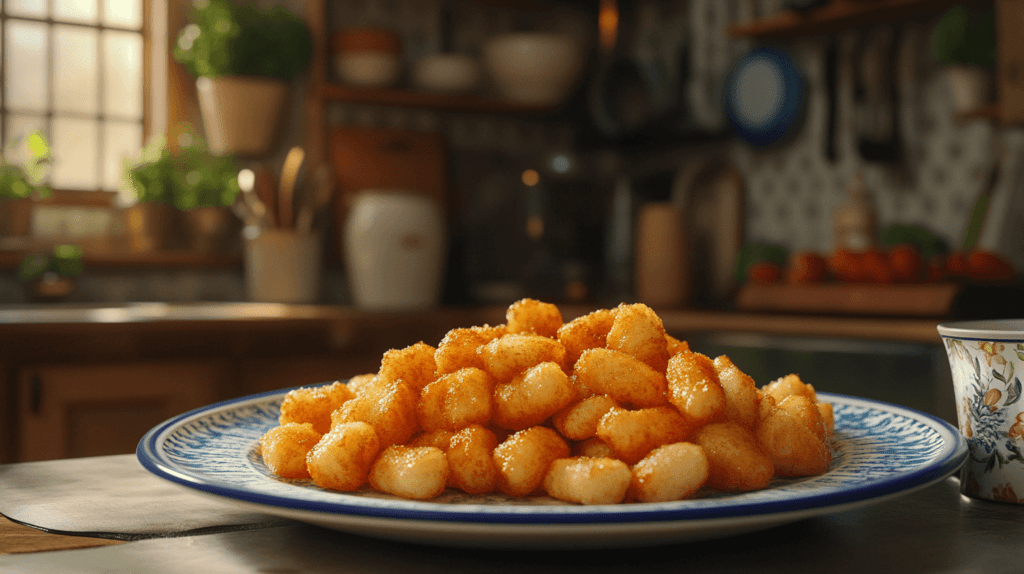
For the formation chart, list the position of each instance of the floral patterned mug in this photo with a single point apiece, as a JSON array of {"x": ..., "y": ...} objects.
[{"x": 987, "y": 360}]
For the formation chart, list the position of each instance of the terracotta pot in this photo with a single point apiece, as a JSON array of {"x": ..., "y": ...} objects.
[
  {"x": 210, "y": 229},
  {"x": 150, "y": 226},
  {"x": 242, "y": 115}
]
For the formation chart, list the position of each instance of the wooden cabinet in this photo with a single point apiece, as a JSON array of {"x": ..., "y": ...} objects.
[{"x": 67, "y": 411}]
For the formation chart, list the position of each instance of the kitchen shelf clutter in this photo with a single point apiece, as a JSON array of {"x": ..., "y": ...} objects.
[{"x": 403, "y": 98}]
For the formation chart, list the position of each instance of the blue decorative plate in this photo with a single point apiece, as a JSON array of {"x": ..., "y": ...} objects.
[
  {"x": 764, "y": 96},
  {"x": 879, "y": 451}
]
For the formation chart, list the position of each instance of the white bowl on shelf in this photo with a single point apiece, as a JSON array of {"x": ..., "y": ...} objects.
[{"x": 535, "y": 68}]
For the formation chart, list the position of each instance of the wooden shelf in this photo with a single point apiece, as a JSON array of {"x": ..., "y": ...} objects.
[
  {"x": 989, "y": 112},
  {"x": 413, "y": 99},
  {"x": 839, "y": 15}
]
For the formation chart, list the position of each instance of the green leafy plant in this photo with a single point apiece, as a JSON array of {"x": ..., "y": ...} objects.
[
  {"x": 190, "y": 178},
  {"x": 19, "y": 181},
  {"x": 225, "y": 38},
  {"x": 64, "y": 261},
  {"x": 965, "y": 37}
]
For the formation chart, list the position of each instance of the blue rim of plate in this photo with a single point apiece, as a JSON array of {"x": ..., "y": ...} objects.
[{"x": 947, "y": 450}]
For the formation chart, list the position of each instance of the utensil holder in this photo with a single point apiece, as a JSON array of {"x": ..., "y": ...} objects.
[{"x": 283, "y": 267}]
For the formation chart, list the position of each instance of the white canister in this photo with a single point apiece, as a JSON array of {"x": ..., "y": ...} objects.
[{"x": 394, "y": 245}]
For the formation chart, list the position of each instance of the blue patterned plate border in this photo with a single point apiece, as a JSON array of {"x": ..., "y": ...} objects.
[{"x": 879, "y": 450}]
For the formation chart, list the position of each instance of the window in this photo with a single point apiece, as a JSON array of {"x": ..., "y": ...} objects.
[{"x": 76, "y": 71}]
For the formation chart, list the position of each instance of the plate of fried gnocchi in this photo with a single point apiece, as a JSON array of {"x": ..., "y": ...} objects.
[{"x": 597, "y": 432}]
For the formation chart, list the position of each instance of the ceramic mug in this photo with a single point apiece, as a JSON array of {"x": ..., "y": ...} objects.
[{"x": 987, "y": 360}]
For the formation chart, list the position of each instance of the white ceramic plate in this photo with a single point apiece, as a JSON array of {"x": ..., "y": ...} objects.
[{"x": 879, "y": 451}]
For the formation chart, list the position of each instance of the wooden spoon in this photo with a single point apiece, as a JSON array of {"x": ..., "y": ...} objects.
[{"x": 286, "y": 192}]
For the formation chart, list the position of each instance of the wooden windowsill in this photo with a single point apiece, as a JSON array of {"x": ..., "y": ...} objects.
[{"x": 114, "y": 253}]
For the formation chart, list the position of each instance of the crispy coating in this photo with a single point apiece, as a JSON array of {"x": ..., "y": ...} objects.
[
  {"x": 791, "y": 384},
  {"x": 532, "y": 316},
  {"x": 284, "y": 449},
  {"x": 456, "y": 400},
  {"x": 737, "y": 460},
  {"x": 314, "y": 405},
  {"x": 637, "y": 330},
  {"x": 523, "y": 459},
  {"x": 579, "y": 421},
  {"x": 828, "y": 417},
  {"x": 413, "y": 365},
  {"x": 435, "y": 438},
  {"x": 633, "y": 434},
  {"x": 592, "y": 447},
  {"x": 587, "y": 332},
  {"x": 587, "y": 480},
  {"x": 359, "y": 383},
  {"x": 694, "y": 389},
  {"x": 795, "y": 438},
  {"x": 458, "y": 349},
  {"x": 741, "y": 403},
  {"x": 389, "y": 409},
  {"x": 512, "y": 354},
  {"x": 342, "y": 458},
  {"x": 671, "y": 472},
  {"x": 471, "y": 460},
  {"x": 673, "y": 345},
  {"x": 419, "y": 473},
  {"x": 531, "y": 398},
  {"x": 622, "y": 377}
]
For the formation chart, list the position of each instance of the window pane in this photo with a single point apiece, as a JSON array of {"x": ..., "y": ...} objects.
[
  {"x": 75, "y": 69},
  {"x": 120, "y": 140},
  {"x": 17, "y": 127},
  {"x": 76, "y": 10},
  {"x": 123, "y": 13},
  {"x": 122, "y": 90},
  {"x": 75, "y": 154},
  {"x": 31, "y": 8},
  {"x": 26, "y": 84}
]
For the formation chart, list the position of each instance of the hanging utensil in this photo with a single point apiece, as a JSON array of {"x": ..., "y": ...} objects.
[
  {"x": 254, "y": 211},
  {"x": 266, "y": 191},
  {"x": 286, "y": 192},
  {"x": 323, "y": 192}
]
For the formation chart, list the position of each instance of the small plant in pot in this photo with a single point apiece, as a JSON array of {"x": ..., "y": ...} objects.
[
  {"x": 51, "y": 276},
  {"x": 243, "y": 58},
  {"x": 964, "y": 41},
  {"x": 21, "y": 181},
  {"x": 200, "y": 185}
]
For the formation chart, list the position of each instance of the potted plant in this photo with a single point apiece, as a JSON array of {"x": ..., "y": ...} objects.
[
  {"x": 192, "y": 181},
  {"x": 51, "y": 276},
  {"x": 964, "y": 41},
  {"x": 20, "y": 181},
  {"x": 244, "y": 59}
]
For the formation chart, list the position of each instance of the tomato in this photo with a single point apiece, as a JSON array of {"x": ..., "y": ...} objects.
[
  {"x": 764, "y": 272},
  {"x": 846, "y": 265},
  {"x": 806, "y": 267},
  {"x": 988, "y": 266},
  {"x": 906, "y": 263},
  {"x": 876, "y": 267}
]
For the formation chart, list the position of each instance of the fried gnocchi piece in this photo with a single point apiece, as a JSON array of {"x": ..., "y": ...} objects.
[
  {"x": 592, "y": 447},
  {"x": 587, "y": 332},
  {"x": 828, "y": 417},
  {"x": 512, "y": 354},
  {"x": 579, "y": 421},
  {"x": 436, "y": 438},
  {"x": 694, "y": 389},
  {"x": 637, "y": 330},
  {"x": 795, "y": 438},
  {"x": 523, "y": 459},
  {"x": 471, "y": 460},
  {"x": 342, "y": 458},
  {"x": 531, "y": 398},
  {"x": 284, "y": 449},
  {"x": 791, "y": 384},
  {"x": 587, "y": 480},
  {"x": 314, "y": 405},
  {"x": 532, "y": 316},
  {"x": 413, "y": 365},
  {"x": 419, "y": 473},
  {"x": 359, "y": 383},
  {"x": 633, "y": 434},
  {"x": 456, "y": 400},
  {"x": 741, "y": 403},
  {"x": 389, "y": 408},
  {"x": 458, "y": 348},
  {"x": 673, "y": 345},
  {"x": 671, "y": 472},
  {"x": 621, "y": 377},
  {"x": 736, "y": 459}
]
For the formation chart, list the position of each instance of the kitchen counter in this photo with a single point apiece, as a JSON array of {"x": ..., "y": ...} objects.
[{"x": 931, "y": 530}]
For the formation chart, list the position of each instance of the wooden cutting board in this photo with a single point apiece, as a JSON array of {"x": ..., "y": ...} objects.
[{"x": 918, "y": 300}]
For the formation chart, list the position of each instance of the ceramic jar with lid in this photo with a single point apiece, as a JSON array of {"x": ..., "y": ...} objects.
[
  {"x": 367, "y": 57},
  {"x": 394, "y": 245}
]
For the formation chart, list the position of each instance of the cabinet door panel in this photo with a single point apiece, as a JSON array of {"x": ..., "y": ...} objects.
[{"x": 93, "y": 410}]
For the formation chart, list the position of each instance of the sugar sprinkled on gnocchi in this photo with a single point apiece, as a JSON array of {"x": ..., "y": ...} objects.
[{"x": 603, "y": 409}]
